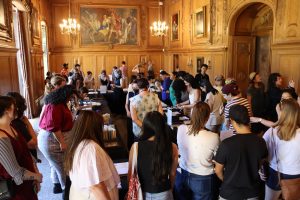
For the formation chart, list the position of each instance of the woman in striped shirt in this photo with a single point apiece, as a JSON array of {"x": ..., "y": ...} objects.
[
  {"x": 233, "y": 96},
  {"x": 15, "y": 160}
]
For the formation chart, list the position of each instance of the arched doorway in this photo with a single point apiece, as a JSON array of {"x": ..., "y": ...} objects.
[{"x": 250, "y": 39}]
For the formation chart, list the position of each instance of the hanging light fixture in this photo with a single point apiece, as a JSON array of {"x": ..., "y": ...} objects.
[
  {"x": 159, "y": 28},
  {"x": 69, "y": 26}
]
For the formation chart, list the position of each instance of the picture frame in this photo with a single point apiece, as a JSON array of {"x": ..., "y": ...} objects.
[
  {"x": 175, "y": 26},
  {"x": 200, "y": 62},
  {"x": 6, "y": 20},
  {"x": 200, "y": 22},
  {"x": 175, "y": 62},
  {"x": 109, "y": 25},
  {"x": 35, "y": 26}
]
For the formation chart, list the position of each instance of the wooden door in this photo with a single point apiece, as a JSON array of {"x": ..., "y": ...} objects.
[{"x": 243, "y": 60}]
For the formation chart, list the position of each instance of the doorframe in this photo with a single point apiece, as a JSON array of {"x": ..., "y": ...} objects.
[{"x": 231, "y": 22}]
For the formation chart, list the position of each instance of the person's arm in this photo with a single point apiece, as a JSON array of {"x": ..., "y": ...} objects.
[
  {"x": 135, "y": 69},
  {"x": 184, "y": 103},
  {"x": 126, "y": 105},
  {"x": 249, "y": 98},
  {"x": 60, "y": 139},
  {"x": 32, "y": 144},
  {"x": 160, "y": 109},
  {"x": 9, "y": 162},
  {"x": 130, "y": 162},
  {"x": 134, "y": 116},
  {"x": 209, "y": 100},
  {"x": 262, "y": 121},
  {"x": 174, "y": 164},
  {"x": 219, "y": 170},
  {"x": 197, "y": 95},
  {"x": 99, "y": 192}
]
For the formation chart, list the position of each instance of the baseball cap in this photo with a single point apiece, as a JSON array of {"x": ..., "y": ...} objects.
[{"x": 252, "y": 75}]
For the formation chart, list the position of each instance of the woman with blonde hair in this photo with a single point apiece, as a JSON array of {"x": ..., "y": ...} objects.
[{"x": 283, "y": 145}]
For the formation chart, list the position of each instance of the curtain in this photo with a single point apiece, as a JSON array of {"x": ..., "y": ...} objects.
[{"x": 21, "y": 60}]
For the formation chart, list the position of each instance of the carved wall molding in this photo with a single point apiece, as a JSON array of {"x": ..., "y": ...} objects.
[{"x": 6, "y": 32}]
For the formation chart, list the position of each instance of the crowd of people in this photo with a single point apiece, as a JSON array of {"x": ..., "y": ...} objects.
[{"x": 261, "y": 148}]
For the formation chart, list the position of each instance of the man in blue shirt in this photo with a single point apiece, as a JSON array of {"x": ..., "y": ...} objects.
[{"x": 166, "y": 82}]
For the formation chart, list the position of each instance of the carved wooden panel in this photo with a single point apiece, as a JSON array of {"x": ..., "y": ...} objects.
[
  {"x": 60, "y": 11},
  {"x": 9, "y": 74}
]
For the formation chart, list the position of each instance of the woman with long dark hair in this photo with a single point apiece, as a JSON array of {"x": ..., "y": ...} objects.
[
  {"x": 157, "y": 158},
  {"x": 197, "y": 147},
  {"x": 283, "y": 141},
  {"x": 91, "y": 170},
  {"x": 16, "y": 163},
  {"x": 22, "y": 124},
  {"x": 193, "y": 90}
]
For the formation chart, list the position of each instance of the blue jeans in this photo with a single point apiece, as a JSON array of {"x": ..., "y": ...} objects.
[
  {"x": 193, "y": 186},
  {"x": 167, "y": 195}
]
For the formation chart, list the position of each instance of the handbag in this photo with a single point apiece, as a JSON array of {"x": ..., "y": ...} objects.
[
  {"x": 289, "y": 187},
  {"x": 6, "y": 189},
  {"x": 134, "y": 186}
]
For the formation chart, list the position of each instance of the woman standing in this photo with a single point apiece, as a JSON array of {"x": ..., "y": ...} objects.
[
  {"x": 197, "y": 147},
  {"x": 22, "y": 124},
  {"x": 283, "y": 145},
  {"x": 91, "y": 170},
  {"x": 157, "y": 158},
  {"x": 193, "y": 90},
  {"x": 55, "y": 123},
  {"x": 215, "y": 101},
  {"x": 15, "y": 159}
]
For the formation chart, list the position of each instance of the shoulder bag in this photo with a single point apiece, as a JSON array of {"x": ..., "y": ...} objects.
[
  {"x": 6, "y": 189},
  {"x": 289, "y": 187},
  {"x": 134, "y": 186}
]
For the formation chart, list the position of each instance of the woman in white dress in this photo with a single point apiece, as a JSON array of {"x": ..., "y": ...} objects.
[{"x": 91, "y": 170}]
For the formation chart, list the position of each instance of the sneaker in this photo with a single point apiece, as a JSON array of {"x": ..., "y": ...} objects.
[{"x": 57, "y": 188}]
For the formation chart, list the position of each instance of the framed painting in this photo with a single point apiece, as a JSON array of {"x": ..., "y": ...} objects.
[
  {"x": 200, "y": 23},
  {"x": 109, "y": 25},
  {"x": 175, "y": 26},
  {"x": 200, "y": 62},
  {"x": 175, "y": 62},
  {"x": 5, "y": 20},
  {"x": 35, "y": 23}
]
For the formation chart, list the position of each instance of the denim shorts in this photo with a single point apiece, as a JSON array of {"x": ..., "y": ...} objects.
[{"x": 273, "y": 179}]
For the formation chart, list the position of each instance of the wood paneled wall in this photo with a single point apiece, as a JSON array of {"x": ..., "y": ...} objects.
[
  {"x": 215, "y": 46},
  {"x": 94, "y": 58},
  {"x": 33, "y": 53}
]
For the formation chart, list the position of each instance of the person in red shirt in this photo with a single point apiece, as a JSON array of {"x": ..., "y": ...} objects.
[{"x": 55, "y": 123}]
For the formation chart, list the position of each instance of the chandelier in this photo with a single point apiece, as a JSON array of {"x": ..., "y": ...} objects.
[
  {"x": 69, "y": 26},
  {"x": 159, "y": 28}
]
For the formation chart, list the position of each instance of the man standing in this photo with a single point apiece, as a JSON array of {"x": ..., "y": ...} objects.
[
  {"x": 239, "y": 158},
  {"x": 201, "y": 79},
  {"x": 166, "y": 83},
  {"x": 124, "y": 71}
]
